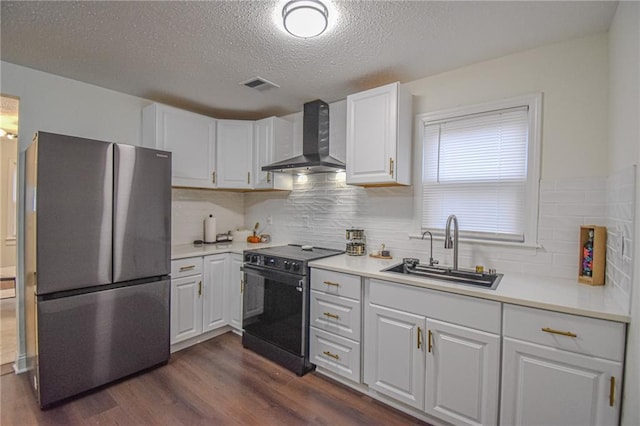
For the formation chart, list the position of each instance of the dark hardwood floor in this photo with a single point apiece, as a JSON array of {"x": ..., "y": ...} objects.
[{"x": 216, "y": 382}]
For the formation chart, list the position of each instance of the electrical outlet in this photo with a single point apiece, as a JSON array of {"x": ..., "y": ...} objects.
[
  {"x": 269, "y": 220},
  {"x": 305, "y": 221}
]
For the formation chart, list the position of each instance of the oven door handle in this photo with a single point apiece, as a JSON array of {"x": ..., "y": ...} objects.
[{"x": 282, "y": 277}]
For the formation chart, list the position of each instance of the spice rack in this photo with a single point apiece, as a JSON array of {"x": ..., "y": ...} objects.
[
  {"x": 591, "y": 271},
  {"x": 356, "y": 245}
]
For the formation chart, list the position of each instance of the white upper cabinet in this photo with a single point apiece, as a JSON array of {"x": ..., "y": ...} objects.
[
  {"x": 190, "y": 137},
  {"x": 379, "y": 136},
  {"x": 235, "y": 154},
  {"x": 273, "y": 136}
]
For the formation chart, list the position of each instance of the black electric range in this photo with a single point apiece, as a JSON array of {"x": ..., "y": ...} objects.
[{"x": 276, "y": 303}]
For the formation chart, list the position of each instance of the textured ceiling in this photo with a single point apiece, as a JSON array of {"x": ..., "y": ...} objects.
[{"x": 193, "y": 54}]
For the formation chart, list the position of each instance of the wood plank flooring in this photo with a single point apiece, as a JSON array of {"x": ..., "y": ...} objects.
[{"x": 216, "y": 382}]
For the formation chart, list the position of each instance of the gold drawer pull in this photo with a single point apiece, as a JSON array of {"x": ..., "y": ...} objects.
[
  {"x": 334, "y": 356},
  {"x": 612, "y": 391},
  {"x": 332, "y": 283},
  {"x": 430, "y": 340},
  {"x": 187, "y": 268},
  {"x": 419, "y": 337},
  {"x": 562, "y": 333},
  {"x": 330, "y": 315}
]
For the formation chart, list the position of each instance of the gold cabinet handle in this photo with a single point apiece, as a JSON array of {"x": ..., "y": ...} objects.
[
  {"x": 391, "y": 167},
  {"x": 241, "y": 286},
  {"x": 331, "y": 283},
  {"x": 200, "y": 288},
  {"x": 562, "y": 333},
  {"x": 187, "y": 268},
  {"x": 268, "y": 177},
  {"x": 334, "y": 356},
  {"x": 430, "y": 340},
  {"x": 248, "y": 177},
  {"x": 612, "y": 391},
  {"x": 213, "y": 177},
  {"x": 419, "y": 337},
  {"x": 330, "y": 315}
]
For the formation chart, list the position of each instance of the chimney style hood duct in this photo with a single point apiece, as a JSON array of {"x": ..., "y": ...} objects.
[{"x": 315, "y": 156}]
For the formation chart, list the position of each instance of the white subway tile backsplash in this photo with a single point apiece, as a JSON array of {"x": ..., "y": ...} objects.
[
  {"x": 620, "y": 208},
  {"x": 319, "y": 210}
]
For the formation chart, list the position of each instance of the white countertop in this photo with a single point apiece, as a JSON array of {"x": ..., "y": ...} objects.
[
  {"x": 555, "y": 294},
  {"x": 182, "y": 251}
]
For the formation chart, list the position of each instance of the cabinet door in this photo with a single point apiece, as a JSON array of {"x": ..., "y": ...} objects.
[
  {"x": 547, "y": 386},
  {"x": 271, "y": 133},
  {"x": 213, "y": 299},
  {"x": 234, "y": 286},
  {"x": 235, "y": 160},
  {"x": 372, "y": 128},
  {"x": 462, "y": 374},
  {"x": 394, "y": 356},
  {"x": 186, "y": 308},
  {"x": 190, "y": 137}
]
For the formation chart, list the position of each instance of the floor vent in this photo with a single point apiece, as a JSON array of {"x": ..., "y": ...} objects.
[{"x": 259, "y": 83}]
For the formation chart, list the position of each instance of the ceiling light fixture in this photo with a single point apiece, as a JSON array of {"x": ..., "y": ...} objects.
[{"x": 305, "y": 18}]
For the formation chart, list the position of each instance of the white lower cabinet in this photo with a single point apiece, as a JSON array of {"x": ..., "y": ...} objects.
[
  {"x": 186, "y": 308},
  {"x": 186, "y": 303},
  {"x": 394, "y": 356},
  {"x": 335, "y": 323},
  {"x": 205, "y": 296},
  {"x": 433, "y": 351},
  {"x": 462, "y": 374},
  {"x": 214, "y": 304},
  {"x": 560, "y": 369}
]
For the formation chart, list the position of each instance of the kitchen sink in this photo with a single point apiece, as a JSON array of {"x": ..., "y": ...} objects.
[{"x": 457, "y": 276}]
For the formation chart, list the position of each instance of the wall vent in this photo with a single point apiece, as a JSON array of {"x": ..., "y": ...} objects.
[{"x": 259, "y": 83}]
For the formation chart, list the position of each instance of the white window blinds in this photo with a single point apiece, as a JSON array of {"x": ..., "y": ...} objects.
[{"x": 475, "y": 167}]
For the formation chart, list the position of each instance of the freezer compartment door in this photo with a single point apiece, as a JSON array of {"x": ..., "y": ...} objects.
[
  {"x": 142, "y": 213},
  {"x": 91, "y": 339},
  {"x": 70, "y": 204}
]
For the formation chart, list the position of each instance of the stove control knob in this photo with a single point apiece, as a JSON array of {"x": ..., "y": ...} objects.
[
  {"x": 272, "y": 262},
  {"x": 287, "y": 265},
  {"x": 296, "y": 267},
  {"x": 254, "y": 258},
  {"x": 247, "y": 257}
]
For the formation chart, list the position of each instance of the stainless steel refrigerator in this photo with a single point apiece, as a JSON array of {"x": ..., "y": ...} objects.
[{"x": 97, "y": 262}]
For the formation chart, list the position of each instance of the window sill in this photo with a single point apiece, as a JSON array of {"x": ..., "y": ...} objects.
[{"x": 482, "y": 242}]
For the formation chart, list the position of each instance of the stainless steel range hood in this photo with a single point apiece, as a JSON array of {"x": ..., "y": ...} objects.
[{"x": 315, "y": 156}]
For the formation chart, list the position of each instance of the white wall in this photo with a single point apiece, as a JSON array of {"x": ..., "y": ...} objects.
[
  {"x": 624, "y": 145},
  {"x": 573, "y": 78},
  {"x": 190, "y": 207}
]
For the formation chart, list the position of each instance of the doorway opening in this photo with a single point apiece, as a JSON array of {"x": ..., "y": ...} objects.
[{"x": 8, "y": 229}]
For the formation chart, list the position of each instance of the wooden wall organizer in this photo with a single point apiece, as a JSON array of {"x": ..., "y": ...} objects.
[{"x": 599, "y": 254}]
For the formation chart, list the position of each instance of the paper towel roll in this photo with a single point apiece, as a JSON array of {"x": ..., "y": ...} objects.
[{"x": 210, "y": 229}]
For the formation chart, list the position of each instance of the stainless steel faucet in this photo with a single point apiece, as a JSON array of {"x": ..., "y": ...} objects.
[
  {"x": 448, "y": 242},
  {"x": 431, "y": 260}
]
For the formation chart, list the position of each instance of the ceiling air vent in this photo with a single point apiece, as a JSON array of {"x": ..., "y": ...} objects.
[{"x": 259, "y": 83}]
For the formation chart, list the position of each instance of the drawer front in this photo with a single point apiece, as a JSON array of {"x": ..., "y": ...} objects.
[
  {"x": 336, "y": 283},
  {"x": 336, "y": 314},
  {"x": 335, "y": 353},
  {"x": 186, "y": 267},
  {"x": 589, "y": 336}
]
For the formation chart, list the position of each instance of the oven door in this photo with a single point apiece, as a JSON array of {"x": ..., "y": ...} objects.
[{"x": 275, "y": 308}]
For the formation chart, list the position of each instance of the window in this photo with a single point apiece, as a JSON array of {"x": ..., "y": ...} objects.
[{"x": 481, "y": 163}]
